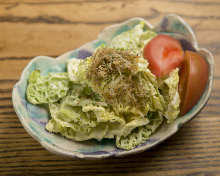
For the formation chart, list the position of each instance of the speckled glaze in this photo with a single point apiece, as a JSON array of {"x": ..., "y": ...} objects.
[{"x": 34, "y": 118}]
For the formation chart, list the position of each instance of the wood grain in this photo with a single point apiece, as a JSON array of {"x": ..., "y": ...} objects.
[{"x": 29, "y": 28}]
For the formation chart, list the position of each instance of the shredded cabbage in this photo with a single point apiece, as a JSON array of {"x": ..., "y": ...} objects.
[
  {"x": 47, "y": 89},
  {"x": 141, "y": 134},
  {"x": 111, "y": 94},
  {"x": 82, "y": 115},
  {"x": 169, "y": 90},
  {"x": 134, "y": 39}
]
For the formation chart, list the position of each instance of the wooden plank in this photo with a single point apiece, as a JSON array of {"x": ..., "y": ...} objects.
[{"x": 37, "y": 41}]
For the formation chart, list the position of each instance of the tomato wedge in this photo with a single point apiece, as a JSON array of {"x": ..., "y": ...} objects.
[
  {"x": 193, "y": 79},
  {"x": 163, "y": 53}
]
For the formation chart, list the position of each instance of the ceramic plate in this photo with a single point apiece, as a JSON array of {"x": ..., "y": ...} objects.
[{"x": 34, "y": 118}]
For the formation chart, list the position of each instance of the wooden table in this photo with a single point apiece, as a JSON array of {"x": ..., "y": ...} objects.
[{"x": 29, "y": 28}]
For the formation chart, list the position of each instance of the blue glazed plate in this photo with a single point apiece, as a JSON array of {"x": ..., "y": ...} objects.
[{"x": 34, "y": 118}]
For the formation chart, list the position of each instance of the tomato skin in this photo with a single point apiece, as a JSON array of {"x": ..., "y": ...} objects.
[
  {"x": 163, "y": 53},
  {"x": 193, "y": 79}
]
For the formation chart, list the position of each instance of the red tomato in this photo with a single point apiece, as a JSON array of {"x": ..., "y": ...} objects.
[
  {"x": 193, "y": 79},
  {"x": 163, "y": 53}
]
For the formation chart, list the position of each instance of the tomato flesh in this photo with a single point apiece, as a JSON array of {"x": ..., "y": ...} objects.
[
  {"x": 193, "y": 79},
  {"x": 163, "y": 53}
]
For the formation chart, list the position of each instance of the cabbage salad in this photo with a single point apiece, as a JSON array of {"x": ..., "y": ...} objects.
[{"x": 111, "y": 94}]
